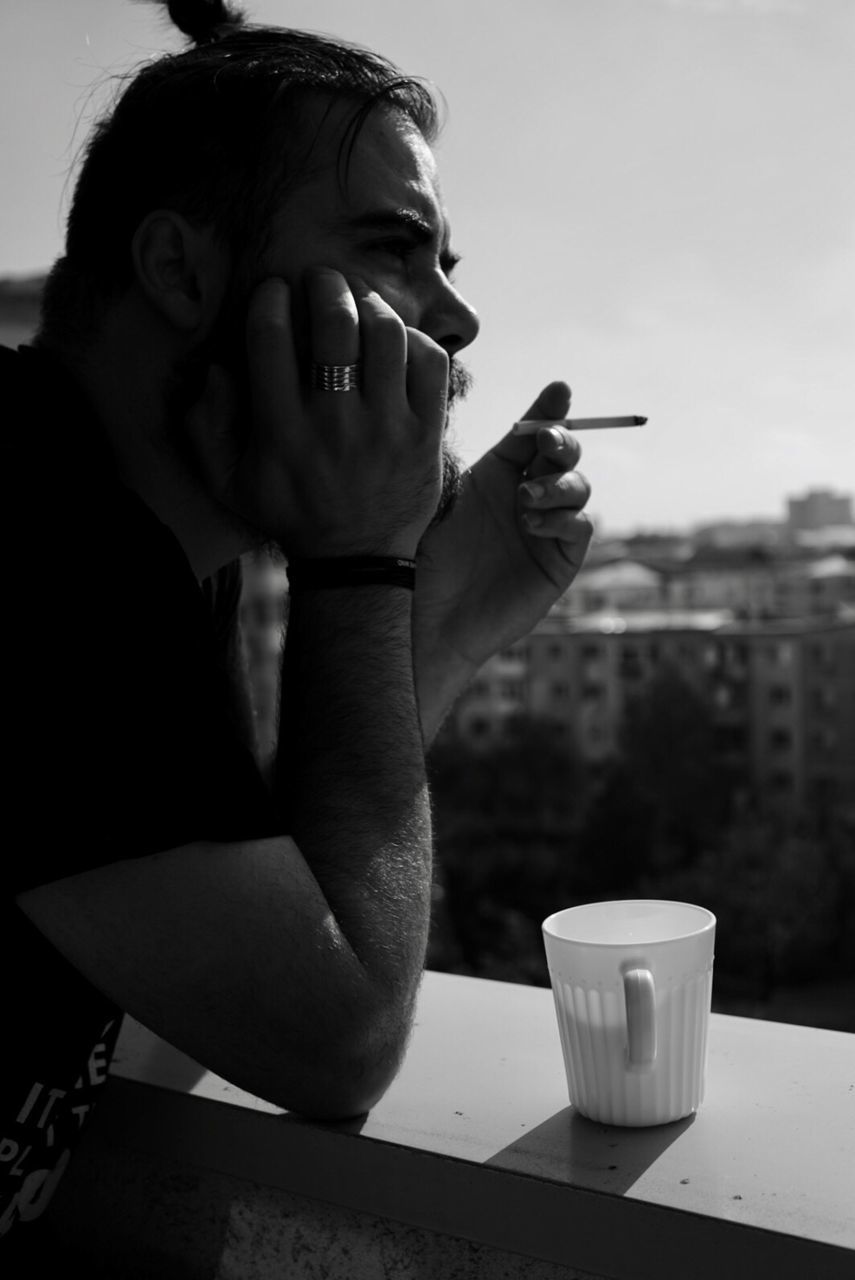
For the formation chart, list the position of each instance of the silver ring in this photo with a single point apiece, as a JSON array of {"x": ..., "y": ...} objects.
[{"x": 336, "y": 377}]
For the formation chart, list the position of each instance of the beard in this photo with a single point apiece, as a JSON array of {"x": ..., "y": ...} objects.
[{"x": 459, "y": 385}]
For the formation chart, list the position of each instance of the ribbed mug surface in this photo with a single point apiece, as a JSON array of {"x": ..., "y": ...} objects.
[{"x": 591, "y": 1007}]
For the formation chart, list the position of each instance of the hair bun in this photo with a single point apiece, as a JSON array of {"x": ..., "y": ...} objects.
[{"x": 204, "y": 20}]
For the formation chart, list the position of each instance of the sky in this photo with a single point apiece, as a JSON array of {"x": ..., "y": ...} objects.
[{"x": 654, "y": 200}]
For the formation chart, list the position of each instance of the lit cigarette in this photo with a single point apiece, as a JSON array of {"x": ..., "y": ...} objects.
[{"x": 530, "y": 426}]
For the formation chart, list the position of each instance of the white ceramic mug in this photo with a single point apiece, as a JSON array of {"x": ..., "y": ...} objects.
[{"x": 632, "y": 983}]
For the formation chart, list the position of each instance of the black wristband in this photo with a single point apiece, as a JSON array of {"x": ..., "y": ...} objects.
[{"x": 352, "y": 571}]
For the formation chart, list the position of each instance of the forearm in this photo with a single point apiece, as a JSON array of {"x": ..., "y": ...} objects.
[
  {"x": 441, "y": 678},
  {"x": 350, "y": 775}
]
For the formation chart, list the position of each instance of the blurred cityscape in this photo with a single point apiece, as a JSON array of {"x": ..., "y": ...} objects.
[{"x": 681, "y": 725}]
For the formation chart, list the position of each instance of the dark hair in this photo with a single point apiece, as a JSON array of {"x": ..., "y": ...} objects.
[{"x": 215, "y": 133}]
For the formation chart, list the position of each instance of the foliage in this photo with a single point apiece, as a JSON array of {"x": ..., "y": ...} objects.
[
  {"x": 523, "y": 829},
  {"x": 502, "y": 820}
]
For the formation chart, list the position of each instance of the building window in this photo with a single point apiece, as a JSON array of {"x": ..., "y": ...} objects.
[
  {"x": 780, "y": 740},
  {"x": 712, "y": 655},
  {"x": 736, "y": 654},
  {"x": 823, "y": 790},
  {"x": 823, "y": 741},
  {"x": 515, "y": 656},
  {"x": 823, "y": 657},
  {"x": 823, "y": 699},
  {"x": 512, "y": 690},
  {"x": 630, "y": 664},
  {"x": 780, "y": 695},
  {"x": 731, "y": 738}
]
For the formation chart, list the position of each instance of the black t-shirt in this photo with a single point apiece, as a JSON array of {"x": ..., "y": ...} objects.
[{"x": 118, "y": 741}]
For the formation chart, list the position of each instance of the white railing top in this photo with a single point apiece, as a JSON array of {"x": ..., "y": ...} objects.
[{"x": 772, "y": 1149}]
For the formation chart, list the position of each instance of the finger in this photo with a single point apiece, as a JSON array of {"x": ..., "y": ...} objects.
[
  {"x": 568, "y": 490},
  {"x": 384, "y": 347},
  {"x": 427, "y": 379},
  {"x": 553, "y": 402},
  {"x": 557, "y": 449},
  {"x": 333, "y": 317},
  {"x": 271, "y": 359},
  {"x": 571, "y": 528}
]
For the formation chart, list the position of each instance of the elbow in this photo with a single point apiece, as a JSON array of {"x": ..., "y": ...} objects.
[
  {"x": 353, "y": 1078},
  {"x": 342, "y": 1095},
  {"x": 339, "y": 1076}
]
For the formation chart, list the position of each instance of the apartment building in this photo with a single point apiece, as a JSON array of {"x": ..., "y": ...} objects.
[
  {"x": 781, "y": 693},
  {"x": 785, "y": 705},
  {"x": 753, "y": 583},
  {"x": 819, "y": 509},
  {"x": 619, "y": 586}
]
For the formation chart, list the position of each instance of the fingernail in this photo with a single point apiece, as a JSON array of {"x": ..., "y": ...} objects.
[
  {"x": 532, "y": 492},
  {"x": 534, "y": 519}
]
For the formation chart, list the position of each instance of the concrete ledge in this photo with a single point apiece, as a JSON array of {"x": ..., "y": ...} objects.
[{"x": 474, "y": 1165}]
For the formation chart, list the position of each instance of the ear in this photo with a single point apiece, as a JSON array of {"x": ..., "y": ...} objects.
[{"x": 181, "y": 270}]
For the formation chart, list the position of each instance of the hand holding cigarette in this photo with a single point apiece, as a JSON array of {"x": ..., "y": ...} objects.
[{"x": 531, "y": 426}]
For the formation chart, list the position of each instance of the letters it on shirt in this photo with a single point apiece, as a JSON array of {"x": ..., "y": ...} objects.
[{"x": 35, "y": 1151}]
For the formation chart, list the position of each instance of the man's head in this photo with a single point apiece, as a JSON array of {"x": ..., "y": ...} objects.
[
  {"x": 278, "y": 150},
  {"x": 217, "y": 133},
  {"x": 225, "y": 135}
]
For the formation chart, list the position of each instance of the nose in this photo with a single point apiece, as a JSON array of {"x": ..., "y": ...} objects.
[{"x": 450, "y": 320}]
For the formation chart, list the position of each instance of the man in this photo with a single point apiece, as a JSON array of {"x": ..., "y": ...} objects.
[{"x": 251, "y": 338}]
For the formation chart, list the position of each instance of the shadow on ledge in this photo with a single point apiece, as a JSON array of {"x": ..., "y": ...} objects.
[{"x": 567, "y": 1148}]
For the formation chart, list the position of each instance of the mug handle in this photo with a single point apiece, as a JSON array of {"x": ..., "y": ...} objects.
[{"x": 640, "y": 995}]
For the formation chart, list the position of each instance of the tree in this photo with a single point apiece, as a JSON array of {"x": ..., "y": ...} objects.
[
  {"x": 667, "y": 747},
  {"x": 504, "y": 819}
]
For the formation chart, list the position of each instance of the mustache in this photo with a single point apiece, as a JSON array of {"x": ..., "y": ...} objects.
[{"x": 460, "y": 381}]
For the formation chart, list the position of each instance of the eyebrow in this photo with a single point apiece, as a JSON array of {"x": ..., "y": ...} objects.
[{"x": 404, "y": 219}]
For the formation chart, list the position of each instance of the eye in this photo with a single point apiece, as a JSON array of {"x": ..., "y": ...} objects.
[{"x": 397, "y": 247}]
